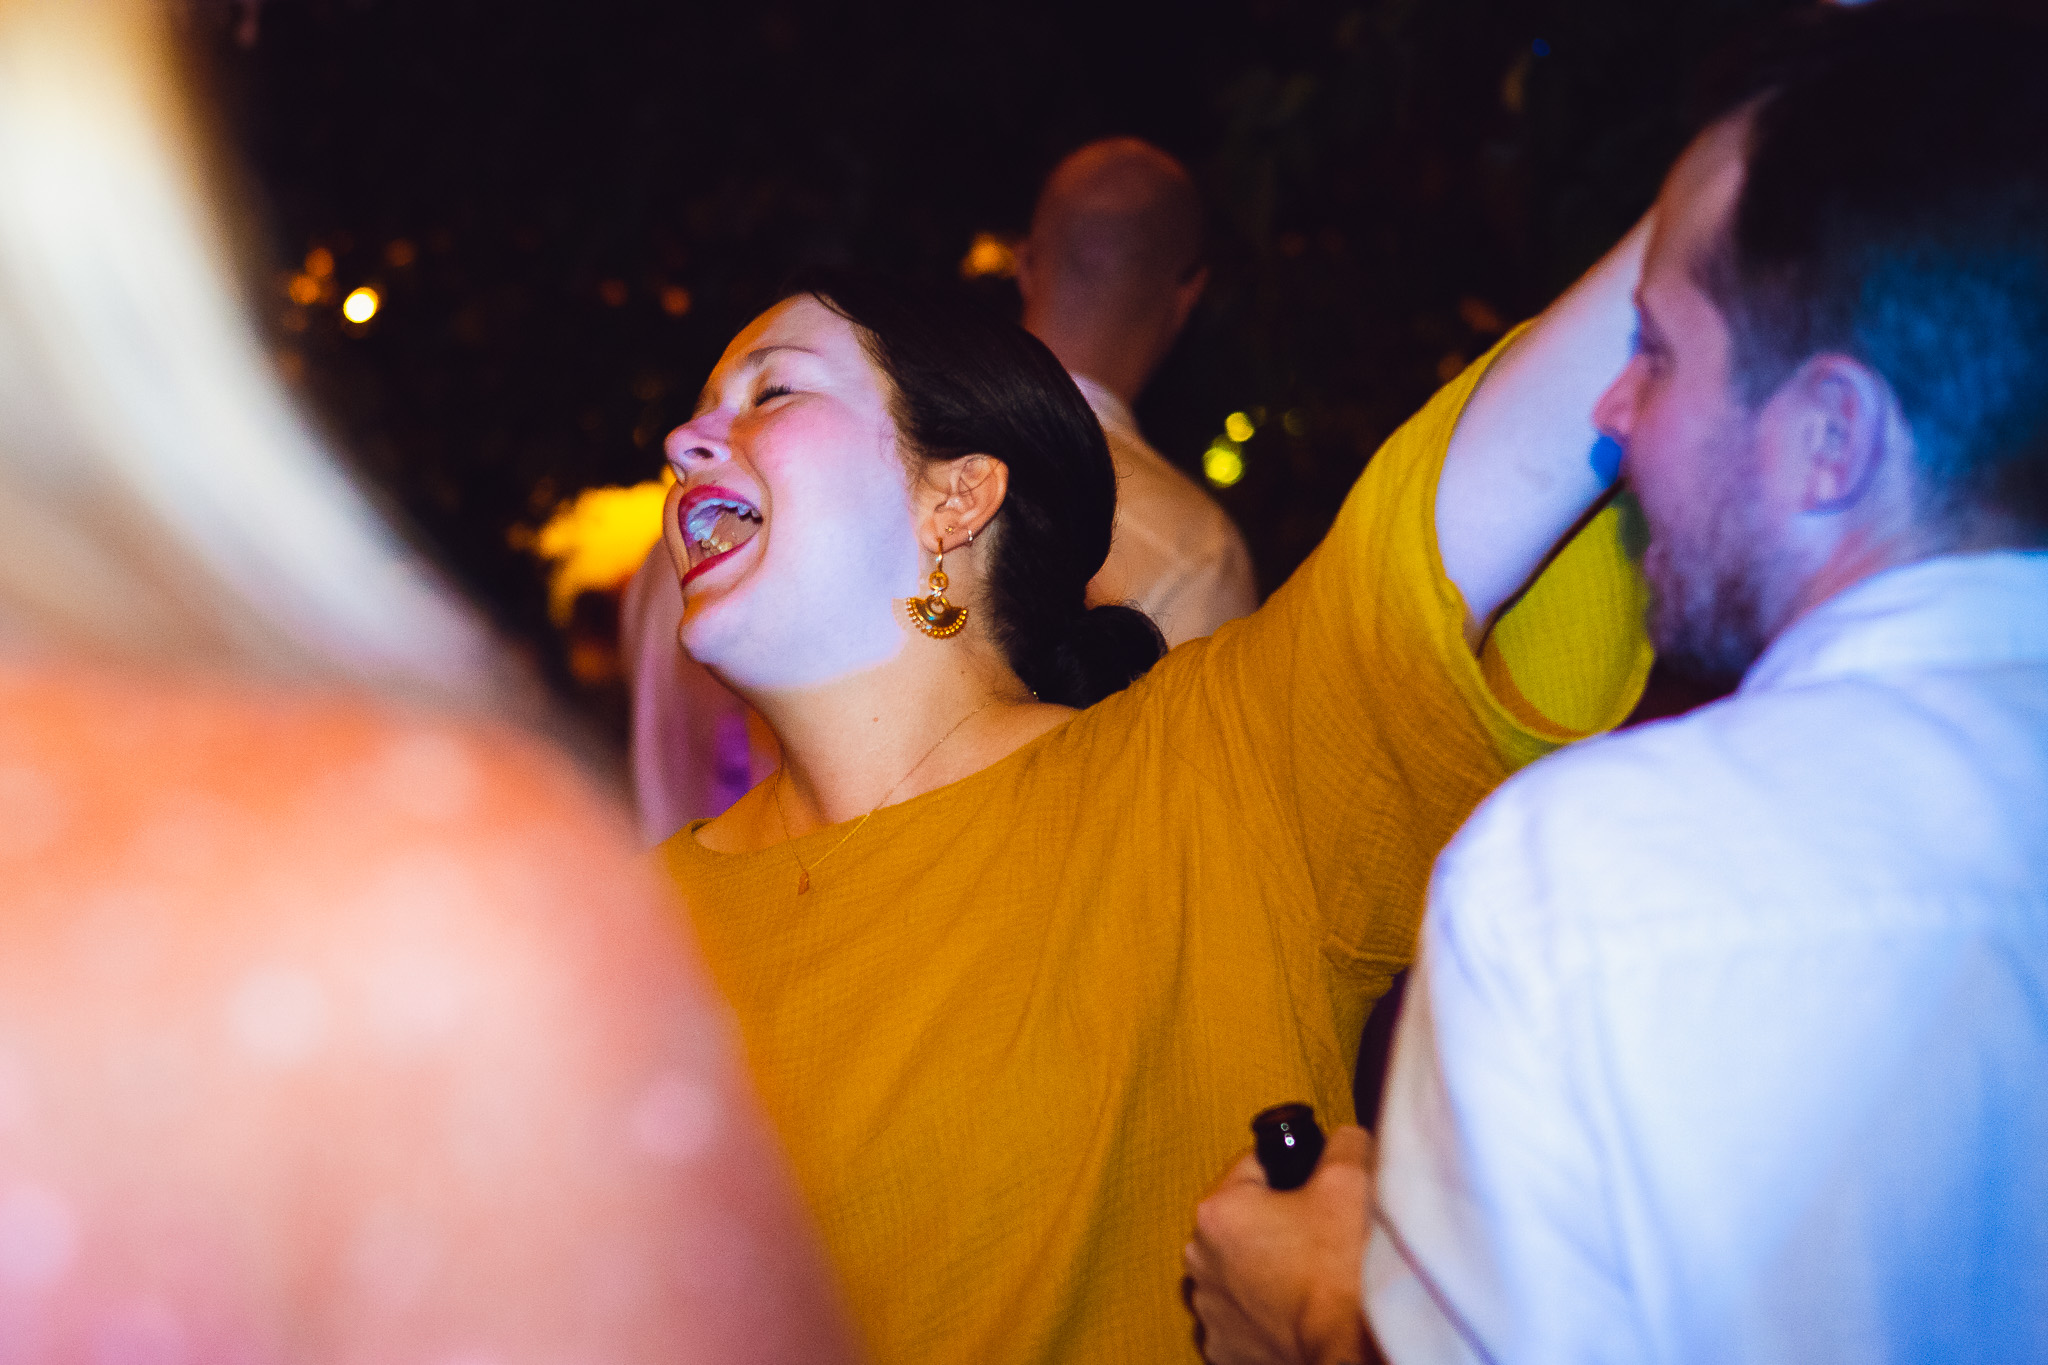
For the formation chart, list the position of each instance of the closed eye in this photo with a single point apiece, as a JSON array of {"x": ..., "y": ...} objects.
[
  {"x": 1650, "y": 346},
  {"x": 772, "y": 391},
  {"x": 1648, "y": 341}
]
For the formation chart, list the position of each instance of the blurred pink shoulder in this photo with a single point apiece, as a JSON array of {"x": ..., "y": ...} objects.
[
  {"x": 322, "y": 1022},
  {"x": 90, "y": 761}
]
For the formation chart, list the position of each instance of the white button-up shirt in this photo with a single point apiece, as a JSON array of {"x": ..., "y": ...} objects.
[
  {"x": 1729, "y": 1038},
  {"x": 1175, "y": 554}
]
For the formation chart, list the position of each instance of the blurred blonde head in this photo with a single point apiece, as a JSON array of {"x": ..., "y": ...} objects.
[{"x": 163, "y": 501}]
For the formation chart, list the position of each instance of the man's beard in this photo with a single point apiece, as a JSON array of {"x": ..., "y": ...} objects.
[{"x": 1709, "y": 588}]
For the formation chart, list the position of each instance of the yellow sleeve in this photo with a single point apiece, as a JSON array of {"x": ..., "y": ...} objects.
[
  {"x": 1348, "y": 718},
  {"x": 1585, "y": 680}
]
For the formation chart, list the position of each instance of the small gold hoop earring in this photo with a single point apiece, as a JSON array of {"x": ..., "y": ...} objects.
[{"x": 934, "y": 615}]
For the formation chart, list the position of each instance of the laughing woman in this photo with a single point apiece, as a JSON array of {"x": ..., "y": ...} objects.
[{"x": 1017, "y": 949}]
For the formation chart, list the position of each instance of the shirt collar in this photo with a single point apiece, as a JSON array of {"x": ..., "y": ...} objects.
[
  {"x": 1110, "y": 410},
  {"x": 1953, "y": 611}
]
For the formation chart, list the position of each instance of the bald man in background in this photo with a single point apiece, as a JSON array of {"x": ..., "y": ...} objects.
[{"x": 1109, "y": 275}]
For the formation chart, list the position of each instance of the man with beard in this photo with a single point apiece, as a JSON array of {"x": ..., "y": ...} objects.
[{"x": 1727, "y": 1037}]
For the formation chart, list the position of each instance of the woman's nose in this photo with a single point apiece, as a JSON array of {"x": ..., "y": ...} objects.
[{"x": 698, "y": 444}]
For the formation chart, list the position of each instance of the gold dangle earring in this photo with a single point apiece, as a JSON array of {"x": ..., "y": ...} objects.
[{"x": 934, "y": 615}]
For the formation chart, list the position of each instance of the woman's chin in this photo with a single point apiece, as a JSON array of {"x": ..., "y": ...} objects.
[
  {"x": 752, "y": 645},
  {"x": 726, "y": 616},
  {"x": 705, "y": 609}
]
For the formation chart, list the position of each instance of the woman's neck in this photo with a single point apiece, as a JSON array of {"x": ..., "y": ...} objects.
[{"x": 938, "y": 712}]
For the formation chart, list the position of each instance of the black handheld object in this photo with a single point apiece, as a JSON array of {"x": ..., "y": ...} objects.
[{"x": 1288, "y": 1143}]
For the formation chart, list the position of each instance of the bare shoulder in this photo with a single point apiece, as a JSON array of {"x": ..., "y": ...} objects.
[
  {"x": 429, "y": 870},
  {"x": 249, "y": 805},
  {"x": 284, "y": 754},
  {"x": 382, "y": 1009}
]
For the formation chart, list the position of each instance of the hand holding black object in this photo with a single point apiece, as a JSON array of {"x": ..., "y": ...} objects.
[
  {"x": 1273, "y": 1276},
  {"x": 1289, "y": 1144}
]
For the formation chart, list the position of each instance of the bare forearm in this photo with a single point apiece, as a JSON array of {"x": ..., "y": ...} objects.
[{"x": 1521, "y": 471}]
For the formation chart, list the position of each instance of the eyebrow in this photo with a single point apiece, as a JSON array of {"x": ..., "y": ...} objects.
[{"x": 750, "y": 359}]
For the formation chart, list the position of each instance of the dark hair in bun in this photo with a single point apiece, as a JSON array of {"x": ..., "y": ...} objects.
[{"x": 970, "y": 383}]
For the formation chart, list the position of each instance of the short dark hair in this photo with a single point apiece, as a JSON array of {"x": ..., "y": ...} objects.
[
  {"x": 1895, "y": 209},
  {"x": 965, "y": 382}
]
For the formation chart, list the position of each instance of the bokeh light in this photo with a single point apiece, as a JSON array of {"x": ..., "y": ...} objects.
[
  {"x": 1223, "y": 462},
  {"x": 1238, "y": 427},
  {"x": 361, "y": 305},
  {"x": 990, "y": 257}
]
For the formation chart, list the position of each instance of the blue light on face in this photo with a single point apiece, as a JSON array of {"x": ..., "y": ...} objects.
[{"x": 1606, "y": 460}]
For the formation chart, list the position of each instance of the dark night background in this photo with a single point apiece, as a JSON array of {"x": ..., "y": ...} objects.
[{"x": 569, "y": 209}]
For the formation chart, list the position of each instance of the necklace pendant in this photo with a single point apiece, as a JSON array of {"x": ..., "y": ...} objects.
[{"x": 803, "y": 882}]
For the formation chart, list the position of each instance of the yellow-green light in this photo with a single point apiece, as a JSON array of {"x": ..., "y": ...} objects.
[{"x": 1222, "y": 464}]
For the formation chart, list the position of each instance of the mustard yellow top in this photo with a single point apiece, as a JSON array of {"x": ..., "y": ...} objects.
[{"x": 1020, "y": 1022}]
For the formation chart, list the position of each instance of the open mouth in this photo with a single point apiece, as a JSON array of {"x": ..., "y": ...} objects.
[{"x": 715, "y": 522}]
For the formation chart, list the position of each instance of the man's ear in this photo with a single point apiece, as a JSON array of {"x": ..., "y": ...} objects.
[
  {"x": 1847, "y": 426},
  {"x": 965, "y": 495},
  {"x": 1025, "y": 262},
  {"x": 1187, "y": 294}
]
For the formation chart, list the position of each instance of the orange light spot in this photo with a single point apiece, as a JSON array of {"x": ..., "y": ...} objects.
[
  {"x": 990, "y": 257},
  {"x": 361, "y": 305}
]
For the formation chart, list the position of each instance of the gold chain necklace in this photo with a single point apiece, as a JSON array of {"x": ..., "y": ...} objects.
[{"x": 803, "y": 874}]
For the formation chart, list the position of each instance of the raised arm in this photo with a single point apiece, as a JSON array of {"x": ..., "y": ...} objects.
[{"x": 1525, "y": 464}]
